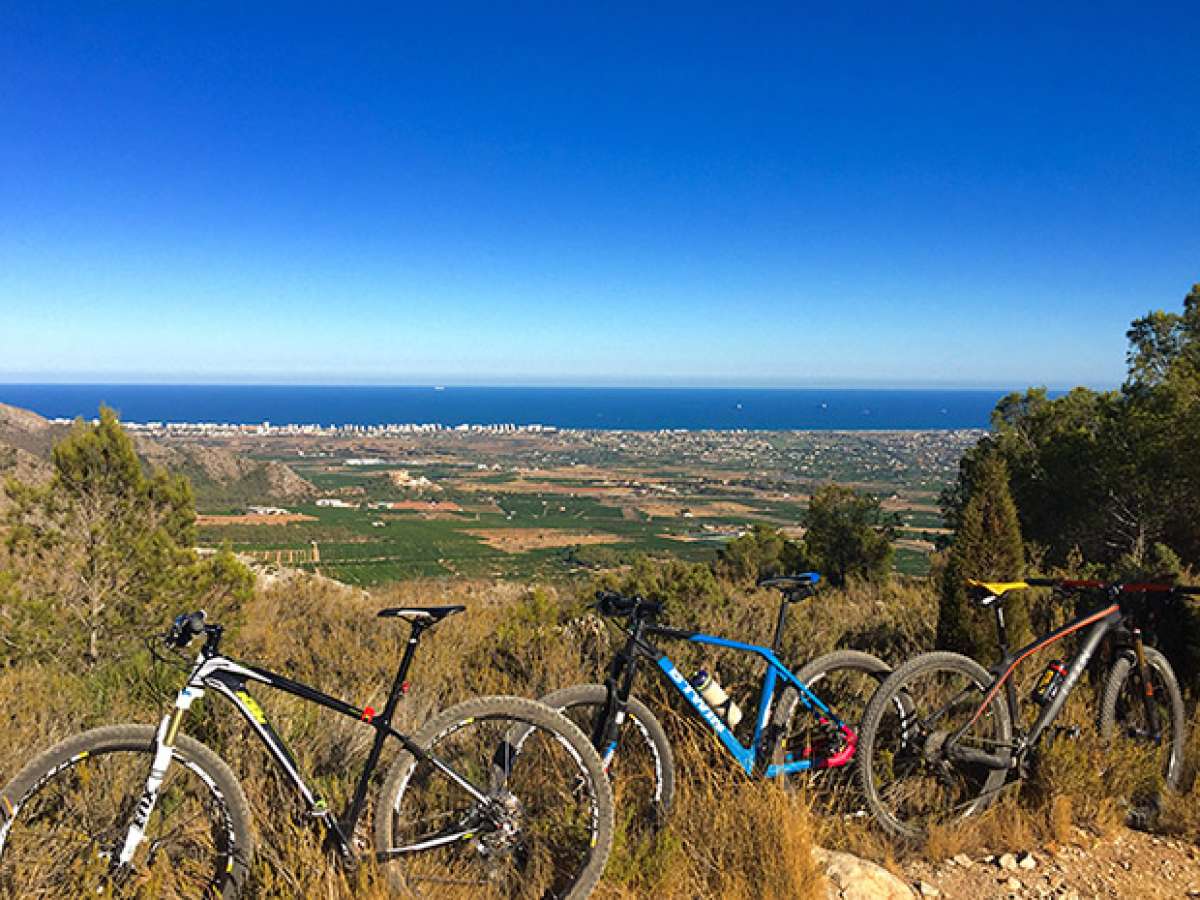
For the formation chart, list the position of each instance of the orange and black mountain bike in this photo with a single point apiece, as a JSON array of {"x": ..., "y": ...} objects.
[{"x": 943, "y": 734}]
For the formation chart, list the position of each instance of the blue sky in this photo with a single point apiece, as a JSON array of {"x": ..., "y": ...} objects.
[{"x": 883, "y": 194}]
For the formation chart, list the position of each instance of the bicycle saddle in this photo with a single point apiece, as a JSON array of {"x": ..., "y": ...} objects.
[
  {"x": 426, "y": 615},
  {"x": 787, "y": 583}
]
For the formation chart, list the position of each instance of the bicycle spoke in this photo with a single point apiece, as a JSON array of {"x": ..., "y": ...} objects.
[{"x": 527, "y": 839}]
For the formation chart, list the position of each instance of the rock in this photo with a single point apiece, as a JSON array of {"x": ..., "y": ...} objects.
[
  {"x": 1027, "y": 861},
  {"x": 961, "y": 859},
  {"x": 851, "y": 878},
  {"x": 925, "y": 889},
  {"x": 1013, "y": 885},
  {"x": 1007, "y": 862}
]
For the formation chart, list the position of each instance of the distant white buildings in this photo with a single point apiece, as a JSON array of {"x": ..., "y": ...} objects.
[
  {"x": 268, "y": 511},
  {"x": 266, "y": 429},
  {"x": 336, "y": 503},
  {"x": 401, "y": 478}
]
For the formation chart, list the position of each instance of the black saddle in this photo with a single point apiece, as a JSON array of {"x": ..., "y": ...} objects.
[
  {"x": 423, "y": 615},
  {"x": 804, "y": 582}
]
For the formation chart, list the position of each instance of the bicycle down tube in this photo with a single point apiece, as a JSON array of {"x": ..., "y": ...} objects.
[{"x": 777, "y": 674}]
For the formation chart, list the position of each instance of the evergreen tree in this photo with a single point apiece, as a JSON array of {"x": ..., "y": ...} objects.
[
  {"x": 104, "y": 550},
  {"x": 848, "y": 535},
  {"x": 987, "y": 546},
  {"x": 761, "y": 552}
]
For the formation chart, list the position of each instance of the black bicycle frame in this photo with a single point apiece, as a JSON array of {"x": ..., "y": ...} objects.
[
  {"x": 1102, "y": 623},
  {"x": 229, "y": 677}
]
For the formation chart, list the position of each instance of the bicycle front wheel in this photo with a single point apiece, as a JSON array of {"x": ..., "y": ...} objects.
[
  {"x": 475, "y": 816},
  {"x": 64, "y": 819},
  {"x": 1123, "y": 718},
  {"x": 641, "y": 769}
]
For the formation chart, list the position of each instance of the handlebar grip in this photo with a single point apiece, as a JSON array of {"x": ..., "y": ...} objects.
[
  {"x": 1042, "y": 582},
  {"x": 1153, "y": 587}
]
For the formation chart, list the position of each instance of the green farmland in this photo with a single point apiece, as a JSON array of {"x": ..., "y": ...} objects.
[{"x": 488, "y": 506}]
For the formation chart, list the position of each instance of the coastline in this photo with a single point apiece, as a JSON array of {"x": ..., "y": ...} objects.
[{"x": 372, "y": 410}]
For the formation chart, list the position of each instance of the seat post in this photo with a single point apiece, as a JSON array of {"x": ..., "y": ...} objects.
[
  {"x": 410, "y": 651},
  {"x": 780, "y": 622},
  {"x": 1001, "y": 628}
]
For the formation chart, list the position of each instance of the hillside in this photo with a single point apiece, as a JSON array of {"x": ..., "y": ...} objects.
[
  {"x": 28, "y": 431},
  {"x": 25, "y": 442},
  {"x": 220, "y": 477}
]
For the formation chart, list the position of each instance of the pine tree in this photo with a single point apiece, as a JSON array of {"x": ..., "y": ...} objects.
[
  {"x": 103, "y": 552},
  {"x": 988, "y": 546},
  {"x": 848, "y": 535}
]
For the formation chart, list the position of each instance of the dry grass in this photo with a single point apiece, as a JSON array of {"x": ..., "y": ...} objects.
[{"x": 728, "y": 837}]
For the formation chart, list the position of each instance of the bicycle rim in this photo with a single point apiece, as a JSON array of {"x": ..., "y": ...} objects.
[
  {"x": 68, "y": 829},
  {"x": 533, "y": 835}
]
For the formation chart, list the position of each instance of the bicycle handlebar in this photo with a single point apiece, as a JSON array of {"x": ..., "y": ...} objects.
[
  {"x": 186, "y": 627},
  {"x": 612, "y": 603}
]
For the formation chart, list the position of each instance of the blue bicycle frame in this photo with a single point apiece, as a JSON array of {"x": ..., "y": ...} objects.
[
  {"x": 778, "y": 677},
  {"x": 748, "y": 757}
]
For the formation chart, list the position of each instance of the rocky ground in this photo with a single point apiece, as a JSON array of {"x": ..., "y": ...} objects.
[{"x": 1125, "y": 864}]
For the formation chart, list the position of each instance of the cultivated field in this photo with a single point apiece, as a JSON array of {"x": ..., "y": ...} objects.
[{"x": 494, "y": 505}]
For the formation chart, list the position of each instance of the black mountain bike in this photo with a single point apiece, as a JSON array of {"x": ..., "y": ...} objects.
[
  {"x": 146, "y": 811},
  {"x": 942, "y": 734}
]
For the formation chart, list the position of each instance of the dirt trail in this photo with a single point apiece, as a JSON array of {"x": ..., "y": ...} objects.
[{"x": 1125, "y": 864}]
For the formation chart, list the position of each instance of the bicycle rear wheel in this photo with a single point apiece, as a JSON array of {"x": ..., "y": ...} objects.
[
  {"x": 845, "y": 681},
  {"x": 910, "y": 781},
  {"x": 535, "y": 821},
  {"x": 66, "y": 815}
]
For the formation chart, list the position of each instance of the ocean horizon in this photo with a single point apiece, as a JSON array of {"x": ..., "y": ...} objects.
[{"x": 607, "y": 408}]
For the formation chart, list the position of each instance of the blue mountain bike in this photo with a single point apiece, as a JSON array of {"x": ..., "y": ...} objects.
[{"x": 792, "y": 733}]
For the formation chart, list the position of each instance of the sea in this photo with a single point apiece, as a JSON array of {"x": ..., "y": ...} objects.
[{"x": 623, "y": 408}]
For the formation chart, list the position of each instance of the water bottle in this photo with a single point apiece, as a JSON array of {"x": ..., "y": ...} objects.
[
  {"x": 714, "y": 695},
  {"x": 1049, "y": 682}
]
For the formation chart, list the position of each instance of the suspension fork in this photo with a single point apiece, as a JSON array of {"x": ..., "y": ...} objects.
[
  {"x": 1143, "y": 668},
  {"x": 164, "y": 751},
  {"x": 606, "y": 733}
]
